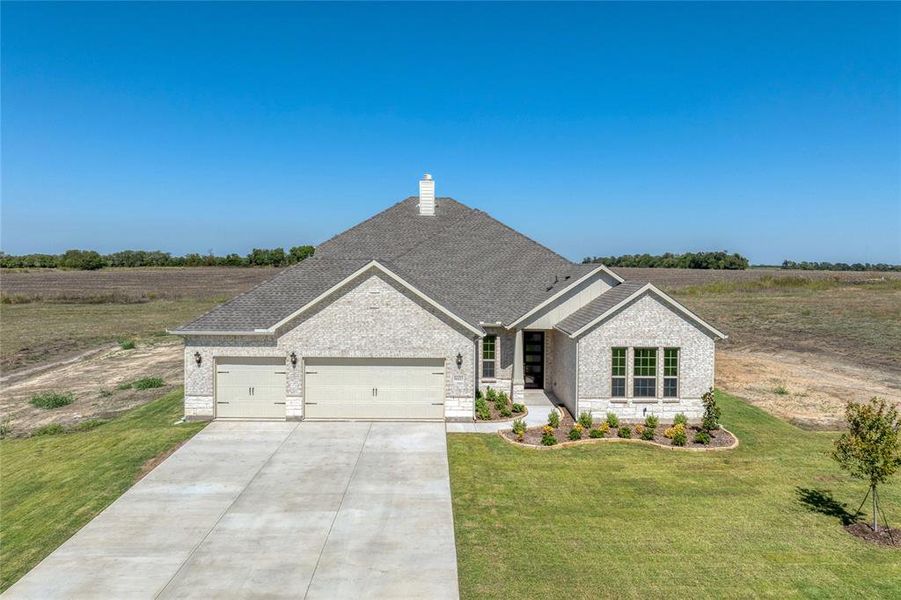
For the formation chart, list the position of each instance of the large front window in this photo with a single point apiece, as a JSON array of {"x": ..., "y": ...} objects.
[
  {"x": 670, "y": 372},
  {"x": 644, "y": 376},
  {"x": 488, "y": 353},
  {"x": 618, "y": 372}
]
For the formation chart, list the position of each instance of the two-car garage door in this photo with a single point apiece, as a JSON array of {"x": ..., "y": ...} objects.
[
  {"x": 378, "y": 388},
  {"x": 364, "y": 388}
]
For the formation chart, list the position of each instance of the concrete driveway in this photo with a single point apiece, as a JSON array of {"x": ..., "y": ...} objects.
[{"x": 293, "y": 510}]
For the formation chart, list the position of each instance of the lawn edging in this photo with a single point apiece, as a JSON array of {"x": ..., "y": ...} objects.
[{"x": 568, "y": 444}]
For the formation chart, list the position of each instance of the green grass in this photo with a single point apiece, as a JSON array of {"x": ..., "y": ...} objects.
[
  {"x": 148, "y": 383},
  {"x": 632, "y": 521},
  {"x": 53, "y": 484},
  {"x": 51, "y": 400}
]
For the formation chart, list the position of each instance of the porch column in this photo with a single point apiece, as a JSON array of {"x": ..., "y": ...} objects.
[{"x": 518, "y": 381}]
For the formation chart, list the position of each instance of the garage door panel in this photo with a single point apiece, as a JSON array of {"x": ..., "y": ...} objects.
[
  {"x": 374, "y": 388},
  {"x": 251, "y": 391}
]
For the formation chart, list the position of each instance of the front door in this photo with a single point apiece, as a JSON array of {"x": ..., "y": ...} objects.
[{"x": 533, "y": 357}]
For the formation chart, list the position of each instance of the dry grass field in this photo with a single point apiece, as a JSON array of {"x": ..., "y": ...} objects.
[{"x": 801, "y": 343}]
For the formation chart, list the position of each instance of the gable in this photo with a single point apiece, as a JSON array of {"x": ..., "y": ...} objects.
[{"x": 569, "y": 301}]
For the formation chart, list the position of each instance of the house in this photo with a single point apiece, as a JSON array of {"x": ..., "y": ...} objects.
[{"x": 407, "y": 314}]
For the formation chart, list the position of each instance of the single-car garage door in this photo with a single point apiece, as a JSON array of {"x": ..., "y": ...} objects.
[
  {"x": 250, "y": 388},
  {"x": 379, "y": 388}
]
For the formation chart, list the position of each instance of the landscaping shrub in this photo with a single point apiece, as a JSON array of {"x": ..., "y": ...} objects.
[
  {"x": 518, "y": 408},
  {"x": 519, "y": 428},
  {"x": 680, "y": 437},
  {"x": 51, "y": 429},
  {"x": 585, "y": 419},
  {"x": 505, "y": 411},
  {"x": 490, "y": 395},
  {"x": 712, "y": 412},
  {"x": 501, "y": 401},
  {"x": 670, "y": 432},
  {"x": 50, "y": 400},
  {"x": 647, "y": 434},
  {"x": 576, "y": 432},
  {"x": 553, "y": 419},
  {"x": 547, "y": 436},
  {"x": 624, "y": 432},
  {"x": 651, "y": 421},
  {"x": 612, "y": 420},
  {"x": 482, "y": 411},
  {"x": 680, "y": 418},
  {"x": 147, "y": 383},
  {"x": 639, "y": 429},
  {"x": 127, "y": 344},
  {"x": 604, "y": 427},
  {"x": 595, "y": 433},
  {"x": 702, "y": 437}
]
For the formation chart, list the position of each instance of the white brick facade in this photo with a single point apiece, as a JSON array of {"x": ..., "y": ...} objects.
[{"x": 372, "y": 317}]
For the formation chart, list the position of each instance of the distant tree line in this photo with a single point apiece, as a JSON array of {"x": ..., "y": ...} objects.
[
  {"x": 828, "y": 266},
  {"x": 90, "y": 260},
  {"x": 688, "y": 260}
]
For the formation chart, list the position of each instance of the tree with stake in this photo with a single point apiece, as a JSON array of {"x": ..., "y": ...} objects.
[{"x": 871, "y": 448}]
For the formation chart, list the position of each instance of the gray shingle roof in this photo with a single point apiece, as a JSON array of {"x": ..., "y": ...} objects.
[
  {"x": 599, "y": 306},
  {"x": 473, "y": 265}
]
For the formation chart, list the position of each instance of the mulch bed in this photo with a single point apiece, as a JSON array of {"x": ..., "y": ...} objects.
[
  {"x": 496, "y": 415},
  {"x": 718, "y": 439},
  {"x": 883, "y": 537}
]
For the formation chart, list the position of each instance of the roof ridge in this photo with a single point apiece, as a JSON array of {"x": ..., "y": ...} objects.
[{"x": 443, "y": 231}]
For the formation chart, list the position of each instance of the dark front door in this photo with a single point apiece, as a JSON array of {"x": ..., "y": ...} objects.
[{"x": 533, "y": 357}]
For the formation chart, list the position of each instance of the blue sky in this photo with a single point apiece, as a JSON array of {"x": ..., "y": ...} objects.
[{"x": 773, "y": 130}]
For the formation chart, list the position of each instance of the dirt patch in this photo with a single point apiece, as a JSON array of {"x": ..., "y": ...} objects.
[
  {"x": 806, "y": 389},
  {"x": 890, "y": 537},
  {"x": 94, "y": 383}
]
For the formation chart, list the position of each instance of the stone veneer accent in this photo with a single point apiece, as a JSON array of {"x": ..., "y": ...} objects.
[
  {"x": 648, "y": 322},
  {"x": 370, "y": 317}
]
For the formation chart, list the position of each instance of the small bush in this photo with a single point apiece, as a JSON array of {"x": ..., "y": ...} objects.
[
  {"x": 624, "y": 432},
  {"x": 547, "y": 436},
  {"x": 482, "y": 411},
  {"x": 639, "y": 429},
  {"x": 680, "y": 419},
  {"x": 519, "y": 426},
  {"x": 50, "y": 400},
  {"x": 490, "y": 395},
  {"x": 505, "y": 411},
  {"x": 780, "y": 390},
  {"x": 478, "y": 394},
  {"x": 148, "y": 383},
  {"x": 127, "y": 344},
  {"x": 585, "y": 419},
  {"x": 652, "y": 421},
  {"x": 712, "y": 412},
  {"x": 648, "y": 434},
  {"x": 680, "y": 438},
  {"x": 670, "y": 432},
  {"x": 51, "y": 429},
  {"x": 595, "y": 433},
  {"x": 501, "y": 401},
  {"x": 604, "y": 427},
  {"x": 702, "y": 437},
  {"x": 576, "y": 432},
  {"x": 553, "y": 419},
  {"x": 612, "y": 420},
  {"x": 519, "y": 408}
]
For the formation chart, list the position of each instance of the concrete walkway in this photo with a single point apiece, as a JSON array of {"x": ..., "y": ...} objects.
[
  {"x": 281, "y": 510},
  {"x": 538, "y": 402}
]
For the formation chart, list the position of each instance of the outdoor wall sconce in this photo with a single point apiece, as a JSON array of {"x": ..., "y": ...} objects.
[
  {"x": 293, "y": 359},
  {"x": 459, "y": 360},
  {"x": 197, "y": 358}
]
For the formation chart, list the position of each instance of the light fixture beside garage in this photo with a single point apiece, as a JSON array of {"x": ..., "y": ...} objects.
[
  {"x": 459, "y": 360},
  {"x": 293, "y": 359},
  {"x": 197, "y": 358}
]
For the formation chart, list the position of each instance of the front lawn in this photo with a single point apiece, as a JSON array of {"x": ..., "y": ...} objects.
[
  {"x": 52, "y": 485},
  {"x": 630, "y": 521}
]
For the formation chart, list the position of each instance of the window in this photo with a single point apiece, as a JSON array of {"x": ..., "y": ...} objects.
[
  {"x": 618, "y": 372},
  {"x": 488, "y": 354},
  {"x": 644, "y": 377},
  {"x": 670, "y": 372}
]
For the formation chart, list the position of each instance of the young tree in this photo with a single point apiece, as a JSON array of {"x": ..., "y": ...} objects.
[{"x": 871, "y": 448}]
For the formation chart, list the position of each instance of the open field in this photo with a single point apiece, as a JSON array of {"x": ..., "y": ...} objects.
[
  {"x": 54, "y": 484},
  {"x": 675, "y": 278},
  {"x": 629, "y": 521}
]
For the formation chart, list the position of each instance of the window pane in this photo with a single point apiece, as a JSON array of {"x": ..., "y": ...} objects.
[
  {"x": 671, "y": 362},
  {"x": 488, "y": 369},
  {"x": 645, "y": 362},
  {"x": 618, "y": 388},
  {"x": 619, "y": 362},
  {"x": 670, "y": 387},
  {"x": 644, "y": 387},
  {"x": 488, "y": 347}
]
